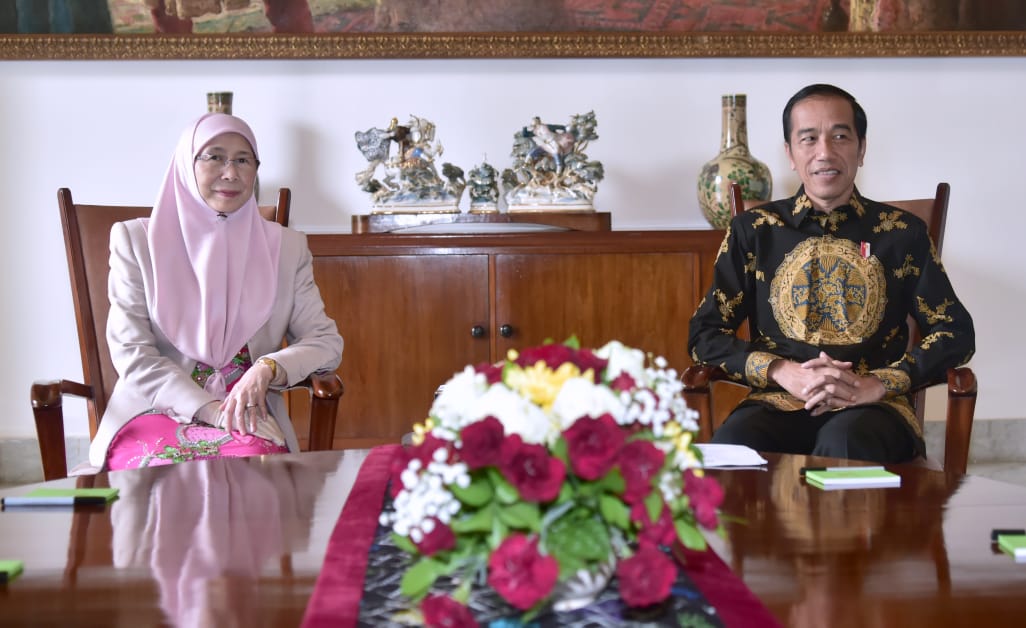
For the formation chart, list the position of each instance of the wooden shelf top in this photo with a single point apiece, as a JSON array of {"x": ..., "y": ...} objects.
[{"x": 464, "y": 222}]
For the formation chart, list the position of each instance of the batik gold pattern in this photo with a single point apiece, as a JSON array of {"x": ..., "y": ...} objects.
[
  {"x": 757, "y": 367},
  {"x": 891, "y": 220},
  {"x": 895, "y": 381},
  {"x": 724, "y": 245},
  {"x": 934, "y": 315},
  {"x": 856, "y": 203},
  {"x": 766, "y": 218},
  {"x": 825, "y": 292},
  {"x": 833, "y": 220},
  {"x": 727, "y": 305},
  {"x": 801, "y": 204},
  {"x": 891, "y": 335},
  {"x": 935, "y": 337},
  {"x": 907, "y": 269}
]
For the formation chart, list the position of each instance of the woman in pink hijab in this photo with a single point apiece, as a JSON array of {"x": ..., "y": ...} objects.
[{"x": 201, "y": 295}]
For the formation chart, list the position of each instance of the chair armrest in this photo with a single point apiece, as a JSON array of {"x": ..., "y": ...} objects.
[
  {"x": 959, "y": 424},
  {"x": 326, "y": 390},
  {"x": 48, "y": 412}
]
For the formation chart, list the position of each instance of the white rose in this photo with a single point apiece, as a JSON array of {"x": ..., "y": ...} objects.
[
  {"x": 458, "y": 395},
  {"x": 623, "y": 359},
  {"x": 579, "y": 397},
  {"x": 517, "y": 414}
]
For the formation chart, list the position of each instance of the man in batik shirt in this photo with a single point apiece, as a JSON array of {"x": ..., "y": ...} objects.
[{"x": 828, "y": 278}]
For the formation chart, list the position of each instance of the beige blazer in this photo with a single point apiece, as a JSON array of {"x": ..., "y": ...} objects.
[{"x": 154, "y": 375}]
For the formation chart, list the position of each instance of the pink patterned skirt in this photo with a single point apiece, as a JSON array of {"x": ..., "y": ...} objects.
[{"x": 151, "y": 440}]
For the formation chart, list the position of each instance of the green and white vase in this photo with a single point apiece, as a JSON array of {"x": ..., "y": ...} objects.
[{"x": 734, "y": 163}]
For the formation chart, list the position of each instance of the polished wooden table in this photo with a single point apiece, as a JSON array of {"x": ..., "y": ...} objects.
[
  {"x": 918, "y": 555},
  {"x": 240, "y": 542}
]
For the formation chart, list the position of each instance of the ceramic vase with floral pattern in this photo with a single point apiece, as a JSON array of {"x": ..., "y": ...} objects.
[{"x": 734, "y": 163}]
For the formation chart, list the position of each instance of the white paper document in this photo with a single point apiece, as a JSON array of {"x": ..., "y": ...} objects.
[{"x": 717, "y": 455}]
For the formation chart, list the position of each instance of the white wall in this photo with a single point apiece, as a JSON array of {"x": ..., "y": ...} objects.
[{"x": 106, "y": 130}]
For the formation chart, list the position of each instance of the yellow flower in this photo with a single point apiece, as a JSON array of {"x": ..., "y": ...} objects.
[
  {"x": 681, "y": 440},
  {"x": 540, "y": 384},
  {"x": 421, "y": 430}
]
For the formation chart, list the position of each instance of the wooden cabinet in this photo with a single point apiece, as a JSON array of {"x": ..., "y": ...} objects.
[{"x": 413, "y": 310}]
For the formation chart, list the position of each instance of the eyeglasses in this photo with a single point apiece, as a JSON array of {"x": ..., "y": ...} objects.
[{"x": 220, "y": 162}]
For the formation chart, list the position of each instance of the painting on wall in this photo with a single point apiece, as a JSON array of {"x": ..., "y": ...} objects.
[{"x": 438, "y": 28}]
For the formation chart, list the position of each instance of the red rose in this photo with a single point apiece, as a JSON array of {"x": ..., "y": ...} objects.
[
  {"x": 640, "y": 461},
  {"x": 623, "y": 382},
  {"x": 555, "y": 355},
  {"x": 704, "y": 496},
  {"x": 519, "y": 573},
  {"x": 441, "y": 611},
  {"x": 659, "y": 532},
  {"x": 482, "y": 442},
  {"x": 646, "y": 577},
  {"x": 439, "y": 539},
  {"x": 492, "y": 372},
  {"x": 535, "y": 474},
  {"x": 593, "y": 446}
]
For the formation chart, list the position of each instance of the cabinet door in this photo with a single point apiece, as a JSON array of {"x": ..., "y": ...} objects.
[
  {"x": 644, "y": 300},
  {"x": 406, "y": 321}
]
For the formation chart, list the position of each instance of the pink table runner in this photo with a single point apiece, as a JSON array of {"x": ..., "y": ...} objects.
[{"x": 336, "y": 597}]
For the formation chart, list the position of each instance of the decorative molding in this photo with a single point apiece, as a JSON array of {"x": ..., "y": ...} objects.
[{"x": 512, "y": 45}]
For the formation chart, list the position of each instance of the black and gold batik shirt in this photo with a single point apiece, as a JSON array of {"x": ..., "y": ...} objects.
[{"x": 844, "y": 283}]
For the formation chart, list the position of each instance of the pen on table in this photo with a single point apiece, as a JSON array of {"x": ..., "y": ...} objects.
[
  {"x": 71, "y": 500},
  {"x": 804, "y": 469}
]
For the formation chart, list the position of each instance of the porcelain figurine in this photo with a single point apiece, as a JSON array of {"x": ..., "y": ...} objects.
[
  {"x": 551, "y": 171},
  {"x": 410, "y": 183},
  {"x": 483, "y": 188}
]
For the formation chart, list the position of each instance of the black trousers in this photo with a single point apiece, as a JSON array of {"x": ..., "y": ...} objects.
[{"x": 868, "y": 433}]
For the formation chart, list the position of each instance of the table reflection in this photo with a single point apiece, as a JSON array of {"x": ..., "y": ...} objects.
[{"x": 208, "y": 530}]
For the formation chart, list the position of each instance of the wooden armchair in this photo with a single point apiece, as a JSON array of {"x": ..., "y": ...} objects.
[
  {"x": 87, "y": 238},
  {"x": 700, "y": 381}
]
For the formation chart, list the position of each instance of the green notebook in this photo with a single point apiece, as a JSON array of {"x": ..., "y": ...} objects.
[
  {"x": 1014, "y": 545},
  {"x": 63, "y": 497},
  {"x": 9, "y": 570},
  {"x": 852, "y": 477}
]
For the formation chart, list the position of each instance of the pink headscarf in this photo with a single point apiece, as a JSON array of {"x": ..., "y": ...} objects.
[{"x": 214, "y": 278}]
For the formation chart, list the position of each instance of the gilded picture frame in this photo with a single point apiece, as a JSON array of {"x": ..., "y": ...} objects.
[{"x": 512, "y": 45}]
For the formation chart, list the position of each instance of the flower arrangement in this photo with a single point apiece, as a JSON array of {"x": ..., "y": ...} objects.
[{"x": 558, "y": 461}]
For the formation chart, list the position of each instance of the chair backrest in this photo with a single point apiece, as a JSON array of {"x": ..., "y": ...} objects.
[
  {"x": 87, "y": 243},
  {"x": 932, "y": 211}
]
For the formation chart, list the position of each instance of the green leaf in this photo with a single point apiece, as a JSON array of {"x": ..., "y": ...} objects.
[
  {"x": 560, "y": 450},
  {"x": 613, "y": 482},
  {"x": 654, "y": 505},
  {"x": 505, "y": 492},
  {"x": 405, "y": 544},
  {"x": 477, "y": 494},
  {"x": 522, "y": 516},
  {"x": 615, "y": 512},
  {"x": 479, "y": 521},
  {"x": 499, "y": 532},
  {"x": 573, "y": 342},
  {"x": 689, "y": 535},
  {"x": 578, "y": 537},
  {"x": 419, "y": 577}
]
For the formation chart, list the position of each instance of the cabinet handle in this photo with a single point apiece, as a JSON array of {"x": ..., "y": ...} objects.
[
  {"x": 506, "y": 331},
  {"x": 477, "y": 331}
]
